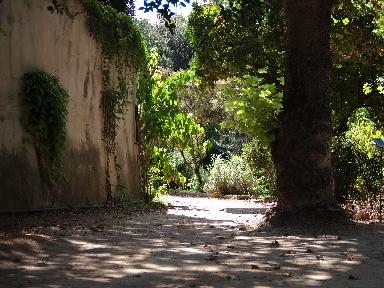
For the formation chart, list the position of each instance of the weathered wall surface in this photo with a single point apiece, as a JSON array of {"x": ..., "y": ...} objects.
[{"x": 35, "y": 38}]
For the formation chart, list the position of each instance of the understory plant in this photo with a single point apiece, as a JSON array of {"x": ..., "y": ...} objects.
[
  {"x": 259, "y": 158},
  {"x": 356, "y": 161},
  {"x": 231, "y": 176}
]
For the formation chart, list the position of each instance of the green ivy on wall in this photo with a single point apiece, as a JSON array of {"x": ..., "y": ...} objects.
[
  {"x": 45, "y": 108},
  {"x": 120, "y": 38},
  {"x": 61, "y": 8}
]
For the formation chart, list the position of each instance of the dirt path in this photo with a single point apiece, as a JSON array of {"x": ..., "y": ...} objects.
[{"x": 198, "y": 242}]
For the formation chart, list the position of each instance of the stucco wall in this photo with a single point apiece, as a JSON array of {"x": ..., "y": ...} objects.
[{"x": 35, "y": 38}]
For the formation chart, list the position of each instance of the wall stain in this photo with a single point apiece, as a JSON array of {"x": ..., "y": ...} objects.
[{"x": 86, "y": 84}]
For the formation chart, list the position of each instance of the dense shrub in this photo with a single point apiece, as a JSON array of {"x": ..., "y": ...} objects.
[
  {"x": 356, "y": 162},
  {"x": 231, "y": 176}
]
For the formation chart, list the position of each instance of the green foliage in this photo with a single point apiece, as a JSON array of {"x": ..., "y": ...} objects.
[
  {"x": 358, "y": 57},
  {"x": 159, "y": 104},
  {"x": 44, "y": 103},
  {"x": 231, "y": 177},
  {"x": 228, "y": 42},
  {"x": 233, "y": 42},
  {"x": 237, "y": 37},
  {"x": 174, "y": 129},
  {"x": 117, "y": 33},
  {"x": 231, "y": 38},
  {"x": 162, "y": 172},
  {"x": 254, "y": 106},
  {"x": 356, "y": 163}
]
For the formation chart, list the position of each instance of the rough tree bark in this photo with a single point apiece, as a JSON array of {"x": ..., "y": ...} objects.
[{"x": 302, "y": 147}]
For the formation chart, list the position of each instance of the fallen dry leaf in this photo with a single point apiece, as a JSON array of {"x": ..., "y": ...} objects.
[
  {"x": 309, "y": 250},
  {"x": 275, "y": 244},
  {"x": 272, "y": 267},
  {"x": 211, "y": 258},
  {"x": 255, "y": 266},
  {"x": 352, "y": 277}
]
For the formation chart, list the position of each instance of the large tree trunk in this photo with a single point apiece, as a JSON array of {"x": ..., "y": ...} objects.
[{"x": 302, "y": 147}]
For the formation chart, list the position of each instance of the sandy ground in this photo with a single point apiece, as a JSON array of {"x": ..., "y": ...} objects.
[{"x": 198, "y": 242}]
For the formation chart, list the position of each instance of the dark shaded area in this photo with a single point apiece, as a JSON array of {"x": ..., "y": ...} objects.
[
  {"x": 23, "y": 189},
  {"x": 317, "y": 218},
  {"x": 84, "y": 173}
]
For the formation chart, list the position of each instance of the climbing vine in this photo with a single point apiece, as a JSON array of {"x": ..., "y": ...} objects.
[
  {"x": 115, "y": 101},
  {"x": 124, "y": 52},
  {"x": 44, "y": 102},
  {"x": 114, "y": 104}
]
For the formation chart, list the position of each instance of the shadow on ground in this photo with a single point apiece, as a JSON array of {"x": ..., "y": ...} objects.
[{"x": 164, "y": 249}]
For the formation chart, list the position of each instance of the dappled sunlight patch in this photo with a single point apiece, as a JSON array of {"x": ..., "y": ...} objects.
[
  {"x": 156, "y": 267},
  {"x": 241, "y": 237},
  {"x": 249, "y": 212},
  {"x": 319, "y": 276},
  {"x": 87, "y": 245}
]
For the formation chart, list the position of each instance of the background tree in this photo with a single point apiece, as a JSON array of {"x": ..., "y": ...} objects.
[
  {"x": 174, "y": 50},
  {"x": 232, "y": 38},
  {"x": 125, "y": 6}
]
